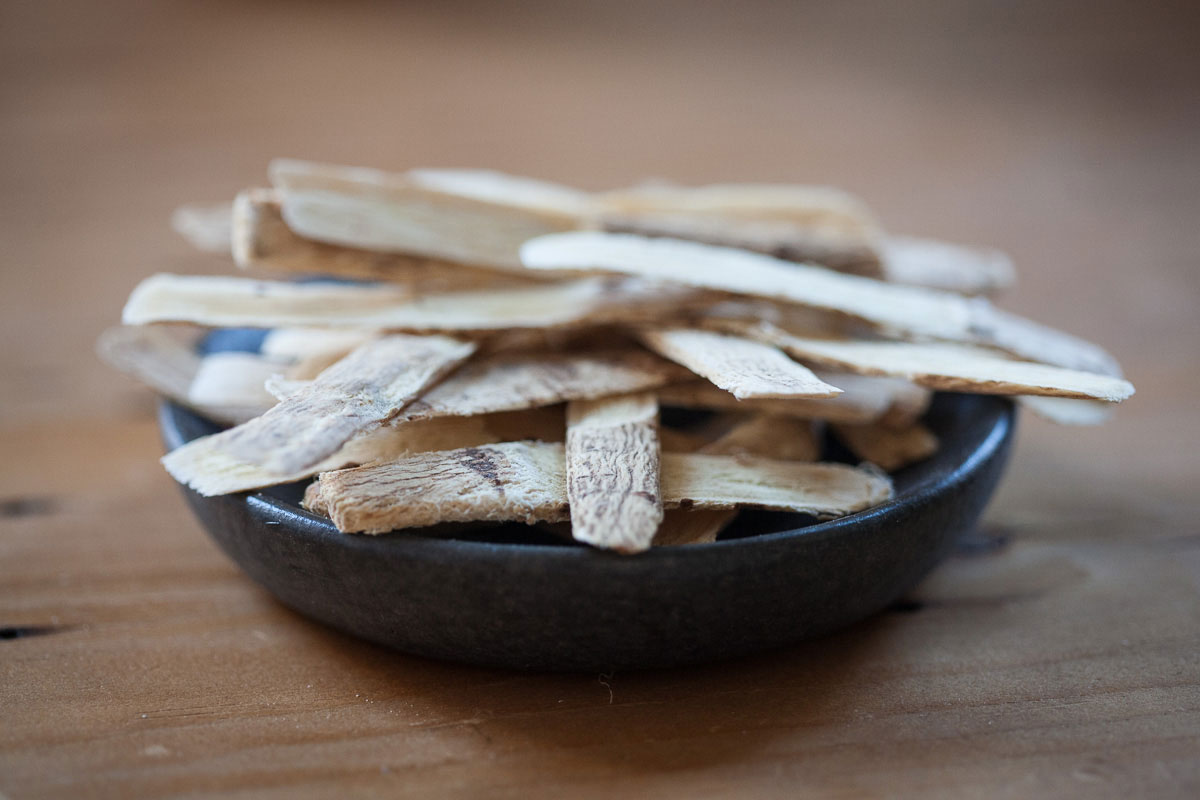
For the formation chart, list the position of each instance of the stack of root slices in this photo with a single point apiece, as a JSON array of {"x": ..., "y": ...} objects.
[{"x": 497, "y": 348}]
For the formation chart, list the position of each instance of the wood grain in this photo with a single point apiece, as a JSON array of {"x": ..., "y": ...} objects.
[{"x": 1054, "y": 655}]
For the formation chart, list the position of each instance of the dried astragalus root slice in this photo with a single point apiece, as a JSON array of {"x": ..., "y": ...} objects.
[
  {"x": 263, "y": 241},
  {"x": 945, "y": 366},
  {"x": 908, "y": 309},
  {"x": 850, "y": 406},
  {"x": 244, "y": 302},
  {"x": 443, "y": 217},
  {"x": 526, "y": 481},
  {"x": 745, "y": 368},
  {"x": 888, "y": 448},
  {"x": 366, "y": 388},
  {"x": 942, "y": 265},
  {"x": 612, "y": 461}
]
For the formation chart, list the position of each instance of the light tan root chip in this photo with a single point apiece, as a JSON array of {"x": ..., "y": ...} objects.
[
  {"x": 941, "y": 265},
  {"x": 948, "y": 367},
  {"x": 1065, "y": 411},
  {"x": 366, "y": 388},
  {"x": 909, "y": 309},
  {"x": 451, "y": 218},
  {"x": 769, "y": 436},
  {"x": 845, "y": 253},
  {"x": 262, "y": 240},
  {"x": 889, "y": 448},
  {"x": 818, "y": 207},
  {"x": 297, "y": 344},
  {"x": 244, "y": 302},
  {"x": 206, "y": 228},
  {"x": 781, "y": 438},
  {"x": 518, "y": 380},
  {"x": 522, "y": 481},
  {"x": 743, "y": 367},
  {"x": 527, "y": 482},
  {"x": 681, "y": 527},
  {"x": 233, "y": 379},
  {"x": 849, "y": 406},
  {"x": 612, "y": 472},
  {"x": 904, "y": 401},
  {"x": 512, "y": 381},
  {"x": 205, "y": 466},
  {"x": 165, "y": 359},
  {"x": 1028, "y": 339}
]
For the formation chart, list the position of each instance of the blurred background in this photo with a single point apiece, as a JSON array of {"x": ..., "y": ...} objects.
[{"x": 1062, "y": 132}]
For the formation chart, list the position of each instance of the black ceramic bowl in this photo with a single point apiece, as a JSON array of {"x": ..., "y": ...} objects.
[{"x": 510, "y": 596}]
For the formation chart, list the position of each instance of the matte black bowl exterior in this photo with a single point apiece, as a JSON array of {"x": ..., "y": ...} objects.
[{"x": 555, "y": 607}]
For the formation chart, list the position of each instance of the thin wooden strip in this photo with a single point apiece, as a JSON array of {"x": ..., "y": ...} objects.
[
  {"x": 843, "y": 252},
  {"x": 233, "y": 379},
  {"x": 948, "y": 367},
  {"x": 491, "y": 186},
  {"x": 909, "y": 309},
  {"x": 888, "y": 448},
  {"x": 263, "y": 241},
  {"x": 612, "y": 461},
  {"x": 849, "y": 406},
  {"x": 1066, "y": 411},
  {"x": 526, "y": 481},
  {"x": 1037, "y": 342},
  {"x": 206, "y": 227},
  {"x": 694, "y": 480},
  {"x": 375, "y": 210},
  {"x": 816, "y": 207},
  {"x": 244, "y": 302},
  {"x": 946, "y": 266},
  {"x": 743, "y": 367},
  {"x": 520, "y": 380},
  {"x": 766, "y": 435},
  {"x": 207, "y": 467},
  {"x": 521, "y": 481},
  {"x": 366, "y": 388},
  {"x": 905, "y": 402},
  {"x": 166, "y": 360}
]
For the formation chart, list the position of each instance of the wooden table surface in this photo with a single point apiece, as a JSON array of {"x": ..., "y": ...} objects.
[{"x": 1058, "y": 656}]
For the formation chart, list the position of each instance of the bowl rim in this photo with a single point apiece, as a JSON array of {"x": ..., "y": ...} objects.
[{"x": 321, "y": 530}]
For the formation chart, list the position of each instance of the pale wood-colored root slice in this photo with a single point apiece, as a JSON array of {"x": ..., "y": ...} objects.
[
  {"x": 766, "y": 435},
  {"x": 206, "y": 227},
  {"x": 612, "y": 472},
  {"x": 849, "y": 406},
  {"x": 1065, "y": 411},
  {"x": 1037, "y": 342},
  {"x": 694, "y": 480},
  {"x": 220, "y": 301},
  {"x": 680, "y": 527},
  {"x": 375, "y": 210},
  {"x": 837, "y": 250},
  {"x": 941, "y": 265},
  {"x": 910, "y": 309},
  {"x": 512, "y": 381},
  {"x": 366, "y": 388},
  {"x": 165, "y": 360},
  {"x": 262, "y": 240},
  {"x": 296, "y": 344},
  {"x": 244, "y": 302},
  {"x": 905, "y": 401},
  {"x": 745, "y": 368},
  {"x": 519, "y": 380},
  {"x": 207, "y": 467},
  {"x": 818, "y": 207},
  {"x": 521, "y": 481},
  {"x": 233, "y": 379},
  {"x": 888, "y": 448},
  {"x": 948, "y": 367},
  {"x": 526, "y": 481},
  {"x": 490, "y": 186},
  {"x": 769, "y": 436}
]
